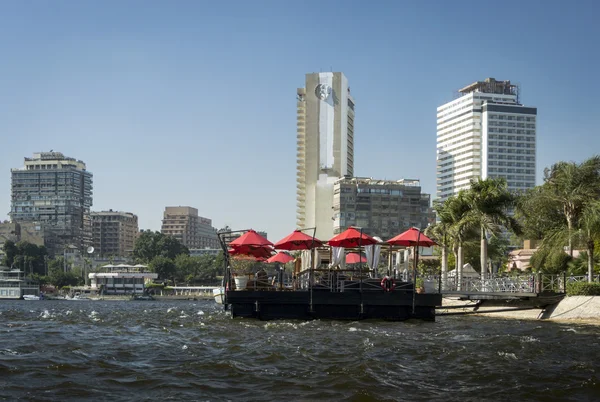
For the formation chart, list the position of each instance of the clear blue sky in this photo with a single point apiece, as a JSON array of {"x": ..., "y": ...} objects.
[{"x": 193, "y": 102}]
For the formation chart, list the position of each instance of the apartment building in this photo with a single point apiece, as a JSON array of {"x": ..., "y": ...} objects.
[
  {"x": 54, "y": 192},
  {"x": 114, "y": 233},
  {"x": 191, "y": 230},
  {"x": 383, "y": 208}
]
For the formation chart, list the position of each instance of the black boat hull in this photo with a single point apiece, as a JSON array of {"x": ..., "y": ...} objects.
[{"x": 393, "y": 306}]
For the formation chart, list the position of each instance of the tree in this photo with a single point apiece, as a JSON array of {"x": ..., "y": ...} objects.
[
  {"x": 572, "y": 186},
  {"x": 164, "y": 267},
  {"x": 489, "y": 202},
  {"x": 441, "y": 233},
  {"x": 589, "y": 232},
  {"x": 152, "y": 244},
  {"x": 10, "y": 252}
]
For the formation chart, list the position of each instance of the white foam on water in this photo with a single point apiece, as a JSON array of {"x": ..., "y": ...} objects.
[
  {"x": 170, "y": 309},
  {"x": 200, "y": 312},
  {"x": 184, "y": 347},
  {"x": 508, "y": 355},
  {"x": 68, "y": 312},
  {"x": 45, "y": 314},
  {"x": 529, "y": 339},
  {"x": 569, "y": 330},
  {"x": 352, "y": 329}
]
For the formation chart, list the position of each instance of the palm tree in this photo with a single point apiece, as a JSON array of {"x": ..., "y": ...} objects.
[
  {"x": 459, "y": 227},
  {"x": 489, "y": 202},
  {"x": 441, "y": 233},
  {"x": 572, "y": 186},
  {"x": 590, "y": 232}
]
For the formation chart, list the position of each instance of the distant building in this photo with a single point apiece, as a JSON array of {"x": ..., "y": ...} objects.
[
  {"x": 485, "y": 133},
  {"x": 325, "y": 147},
  {"x": 54, "y": 192},
  {"x": 114, "y": 233},
  {"x": 25, "y": 231},
  {"x": 193, "y": 231},
  {"x": 198, "y": 252},
  {"x": 383, "y": 208}
]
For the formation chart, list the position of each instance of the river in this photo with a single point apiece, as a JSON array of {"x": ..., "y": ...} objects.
[{"x": 192, "y": 350}]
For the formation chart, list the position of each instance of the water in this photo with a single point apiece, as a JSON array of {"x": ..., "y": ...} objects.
[{"x": 186, "y": 350}]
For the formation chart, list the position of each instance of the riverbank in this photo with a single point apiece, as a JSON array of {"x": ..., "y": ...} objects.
[{"x": 574, "y": 308}]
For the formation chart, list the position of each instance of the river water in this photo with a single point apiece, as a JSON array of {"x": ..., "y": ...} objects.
[{"x": 192, "y": 350}]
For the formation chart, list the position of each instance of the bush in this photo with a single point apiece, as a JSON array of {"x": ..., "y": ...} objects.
[{"x": 583, "y": 289}]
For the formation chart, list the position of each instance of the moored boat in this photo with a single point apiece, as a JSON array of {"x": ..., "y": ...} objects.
[{"x": 219, "y": 294}]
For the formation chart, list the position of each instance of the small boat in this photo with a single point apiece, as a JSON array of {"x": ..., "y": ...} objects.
[
  {"x": 219, "y": 294},
  {"x": 33, "y": 297},
  {"x": 142, "y": 297}
]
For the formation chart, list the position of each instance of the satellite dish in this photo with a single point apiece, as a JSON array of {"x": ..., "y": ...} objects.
[{"x": 90, "y": 250}]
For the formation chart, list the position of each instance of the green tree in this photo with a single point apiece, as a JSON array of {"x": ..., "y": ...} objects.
[
  {"x": 10, "y": 252},
  {"x": 550, "y": 261},
  {"x": 489, "y": 202},
  {"x": 60, "y": 279},
  {"x": 152, "y": 244},
  {"x": 164, "y": 267}
]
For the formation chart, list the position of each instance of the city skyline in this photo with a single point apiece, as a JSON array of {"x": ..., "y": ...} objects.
[{"x": 191, "y": 104}]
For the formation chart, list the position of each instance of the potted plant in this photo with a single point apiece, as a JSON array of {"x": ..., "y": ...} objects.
[
  {"x": 419, "y": 285},
  {"x": 241, "y": 270}
]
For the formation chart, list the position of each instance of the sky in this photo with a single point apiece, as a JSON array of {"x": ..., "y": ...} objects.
[{"x": 194, "y": 102}]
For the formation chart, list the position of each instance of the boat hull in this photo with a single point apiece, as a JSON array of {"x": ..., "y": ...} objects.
[
  {"x": 219, "y": 294},
  {"x": 394, "y": 306}
]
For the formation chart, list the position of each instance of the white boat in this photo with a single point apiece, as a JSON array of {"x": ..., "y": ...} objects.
[
  {"x": 219, "y": 294},
  {"x": 33, "y": 297}
]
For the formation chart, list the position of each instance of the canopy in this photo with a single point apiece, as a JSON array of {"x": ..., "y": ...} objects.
[
  {"x": 250, "y": 238},
  {"x": 467, "y": 272},
  {"x": 298, "y": 240},
  {"x": 254, "y": 251},
  {"x": 281, "y": 258},
  {"x": 351, "y": 237},
  {"x": 355, "y": 258},
  {"x": 411, "y": 238}
]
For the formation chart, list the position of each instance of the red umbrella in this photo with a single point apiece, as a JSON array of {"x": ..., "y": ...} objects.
[
  {"x": 250, "y": 238},
  {"x": 355, "y": 258},
  {"x": 351, "y": 237},
  {"x": 411, "y": 238},
  {"x": 298, "y": 241},
  {"x": 281, "y": 258},
  {"x": 254, "y": 251}
]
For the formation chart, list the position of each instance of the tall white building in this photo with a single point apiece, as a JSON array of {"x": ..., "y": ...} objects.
[
  {"x": 325, "y": 147},
  {"x": 485, "y": 133}
]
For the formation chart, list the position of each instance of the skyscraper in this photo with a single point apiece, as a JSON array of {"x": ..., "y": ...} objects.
[
  {"x": 486, "y": 132},
  {"x": 325, "y": 147},
  {"x": 56, "y": 192}
]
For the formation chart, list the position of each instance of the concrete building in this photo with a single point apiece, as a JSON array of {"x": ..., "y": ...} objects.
[
  {"x": 191, "y": 230},
  {"x": 55, "y": 192},
  {"x": 486, "y": 132},
  {"x": 325, "y": 147},
  {"x": 382, "y": 208},
  {"x": 114, "y": 233}
]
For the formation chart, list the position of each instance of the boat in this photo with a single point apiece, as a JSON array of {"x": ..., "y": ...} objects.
[
  {"x": 219, "y": 294},
  {"x": 324, "y": 291},
  {"x": 33, "y": 297},
  {"x": 143, "y": 297},
  {"x": 15, "y": 285}
]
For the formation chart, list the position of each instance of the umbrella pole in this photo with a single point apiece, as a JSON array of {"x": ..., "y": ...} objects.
[
  {"x": 360, "y": 264},
  {"x": 311, "y": 273},
  {"x": 416, "y": 250}
]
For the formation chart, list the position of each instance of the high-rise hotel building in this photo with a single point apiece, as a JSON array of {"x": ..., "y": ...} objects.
[
  {"x": 485, "y": 133},
  {"x": 325, "y": 147}
]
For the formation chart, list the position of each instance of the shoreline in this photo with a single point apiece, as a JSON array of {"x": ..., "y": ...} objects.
[{"x": 571, "y": 309}]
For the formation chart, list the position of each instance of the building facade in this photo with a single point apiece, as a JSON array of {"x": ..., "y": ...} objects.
[
  {"x": 191, "y": 230},
  {"x": 485, "y": 133},
  {"x": 325, "y": 147},
  {"x": 114, "y": 233},
  {"x": 54, "y": 191},
  {"x": 381, "y": 208}
]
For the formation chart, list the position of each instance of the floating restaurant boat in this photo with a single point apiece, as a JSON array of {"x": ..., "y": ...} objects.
[
  {"x": 15, "y": 285},
  {"x": 319, "y": 290}
]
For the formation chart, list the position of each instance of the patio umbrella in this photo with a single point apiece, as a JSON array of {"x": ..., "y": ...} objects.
[
  {"x": 355, "y": 258},
  {"x": 280, "y": 257},
  {"x": 351, "y": 237},
  {"x": 298, "y": 240},
  {"x": 411, "y": 238},
  {"x": 254, "y": 251},
  {"x": 250, "y": 238}
]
